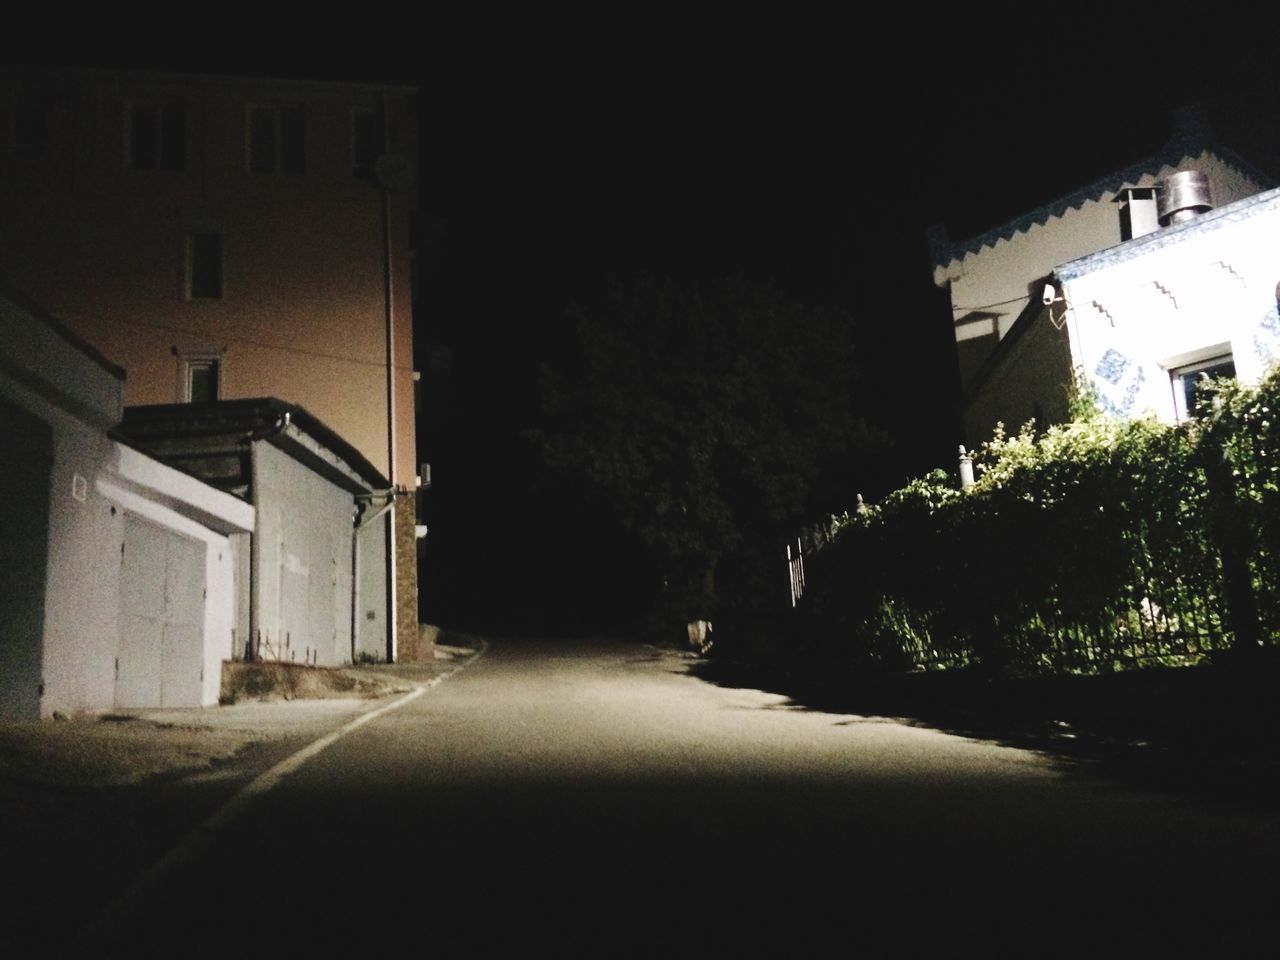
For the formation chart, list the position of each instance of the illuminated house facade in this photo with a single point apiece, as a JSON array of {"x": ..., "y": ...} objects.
[
  {"x": 1016, "y": 344},
  {"x": 1146, "y": 319},
  {"x": 223, "y": 239}
]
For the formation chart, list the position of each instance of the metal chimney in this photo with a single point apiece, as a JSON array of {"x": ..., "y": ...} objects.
[{"x": 1185, "y": 195}]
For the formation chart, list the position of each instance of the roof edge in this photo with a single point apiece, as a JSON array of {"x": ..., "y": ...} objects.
[
  {"x": 1190, "y": 139},
  {"x": 40, "y": 313},
  {"x": 278, "y": 409},
  {"x": 1165, "y": 236}
]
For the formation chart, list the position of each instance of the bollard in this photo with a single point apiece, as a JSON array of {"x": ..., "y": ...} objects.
[{"x": 966, "y": 469}]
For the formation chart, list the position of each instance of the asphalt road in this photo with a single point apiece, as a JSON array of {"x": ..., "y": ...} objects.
[{"x": 552, "y": 788}]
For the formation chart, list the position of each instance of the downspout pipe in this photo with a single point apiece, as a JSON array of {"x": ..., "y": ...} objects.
[
  {"x": 389, "y": 303},
  {"x": 359, "y": 522}
]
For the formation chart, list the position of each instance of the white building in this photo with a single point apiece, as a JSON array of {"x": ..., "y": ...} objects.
[
  {"x": 1015, "y": 353},
  {"x": 318, "y": 586},
  {"x": 1146, "y": 319},
  {"x": 117, "y": 577}
]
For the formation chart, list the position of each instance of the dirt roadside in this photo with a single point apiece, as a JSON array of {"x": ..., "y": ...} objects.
[{"x": 263, "y": 704}]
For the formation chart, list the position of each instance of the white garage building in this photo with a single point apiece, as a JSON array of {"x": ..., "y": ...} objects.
[{"x": 118, "y": 583}]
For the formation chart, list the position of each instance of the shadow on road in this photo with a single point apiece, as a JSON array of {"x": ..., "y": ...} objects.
[{"x": 1211, "y": 731}]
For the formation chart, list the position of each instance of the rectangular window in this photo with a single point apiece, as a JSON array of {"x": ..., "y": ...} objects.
[
  {"x": 204, "y": 266},
  {"x": 1186, "y": 382},
  {"x": 158, "y": 135},
  {"x": 276, "y": 137},
  {"x": 31, "y": 127},
  {"x": 202, "y": 380},
  {"x": 366, "y": 143}
]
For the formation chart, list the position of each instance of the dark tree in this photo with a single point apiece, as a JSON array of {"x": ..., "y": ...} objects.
[{"x": 713, "y": 421}]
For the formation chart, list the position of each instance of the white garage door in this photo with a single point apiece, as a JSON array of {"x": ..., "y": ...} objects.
[{"x": 161, "y": 617}]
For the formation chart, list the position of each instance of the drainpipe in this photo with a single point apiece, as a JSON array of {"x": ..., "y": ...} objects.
[
  {"x": 251, "y": 643},
  {"x": 389, "y": 301},
  {"x": 355, "y": 580},
  {"x": 360, "y": 522}
]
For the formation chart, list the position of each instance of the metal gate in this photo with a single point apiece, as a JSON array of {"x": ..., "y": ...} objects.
[{"x": 161, "y": 617}]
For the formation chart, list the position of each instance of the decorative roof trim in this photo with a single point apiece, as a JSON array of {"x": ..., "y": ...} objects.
[
  {"x": 1190, "y": 143},
  {"x": 1214, "y": 219}
]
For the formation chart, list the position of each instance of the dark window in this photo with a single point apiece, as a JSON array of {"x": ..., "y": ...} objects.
[
  {"x": 1188, "y": 380},
  {"x": 264, "y": 137},
  {"x": 276, "y": 139},
  {"x": 31, "y": 128},
  {"x": 202, "y": 381},
  {"x": 158, "y": 136},
  {"x": 366, "y": 143},
  {"x": 204, "y": 266}
]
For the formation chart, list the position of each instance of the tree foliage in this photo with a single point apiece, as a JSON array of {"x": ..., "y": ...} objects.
[{"x": 712, "y": 420}]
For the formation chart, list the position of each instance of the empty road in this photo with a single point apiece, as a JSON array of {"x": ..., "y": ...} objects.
[{"x": 553, "y": 780}]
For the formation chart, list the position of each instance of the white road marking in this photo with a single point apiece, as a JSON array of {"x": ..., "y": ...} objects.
[{"x": 128, "y": 906}]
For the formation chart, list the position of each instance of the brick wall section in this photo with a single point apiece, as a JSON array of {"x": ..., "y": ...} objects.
[{"x": 409, "y": 645}]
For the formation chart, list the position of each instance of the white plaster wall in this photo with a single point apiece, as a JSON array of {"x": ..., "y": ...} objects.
[
  {"x": 55, "y": 381},
  {"x": 240, "y": 552},
  {"x": 371, "y": 610},
  {"x": 1133, "y": 321},
  {"x": 82, "y": 598},
  {"x": 219, "y": 615}
]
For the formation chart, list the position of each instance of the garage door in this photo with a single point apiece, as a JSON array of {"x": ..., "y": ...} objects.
[{"x": 161, "y": 617}]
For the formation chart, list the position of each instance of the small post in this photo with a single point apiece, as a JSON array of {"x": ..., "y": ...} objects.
[
  {"x": 791, "y": 573},
  {"x": 966, "y": 469},
  {"x": 799, "y": 568},
  {"x": 861, "y": 507}
]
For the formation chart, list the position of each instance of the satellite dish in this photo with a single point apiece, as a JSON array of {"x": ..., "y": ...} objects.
[{"x": 394, "y": 172}]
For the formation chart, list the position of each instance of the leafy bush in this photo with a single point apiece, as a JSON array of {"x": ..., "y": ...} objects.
[{"x": 1093, "y": 545}]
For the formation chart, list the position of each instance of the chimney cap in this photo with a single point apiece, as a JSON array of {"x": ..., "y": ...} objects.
[{"x": 1186, "y": 195}]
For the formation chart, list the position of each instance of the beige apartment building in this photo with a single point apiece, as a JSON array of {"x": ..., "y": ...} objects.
[{"x": 223, "y": 238}]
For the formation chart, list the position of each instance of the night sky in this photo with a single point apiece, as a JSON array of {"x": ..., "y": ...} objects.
[
  {"x": 809, "y": 165},
  {"x": 806, "y": 153}
]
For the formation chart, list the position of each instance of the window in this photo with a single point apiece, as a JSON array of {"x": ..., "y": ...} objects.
[
  {"x": 199, "y": 373},
  {"x": 1186, "y": 381},
  {"x": 158, "y": 135},
  {"x": 275, "y": 139},
  {"x": 204, "y": 266},
  {"x": 366, "y": 143},
  {"x": 31, "y": 128},
  {"x": 202, "y": 376}
]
